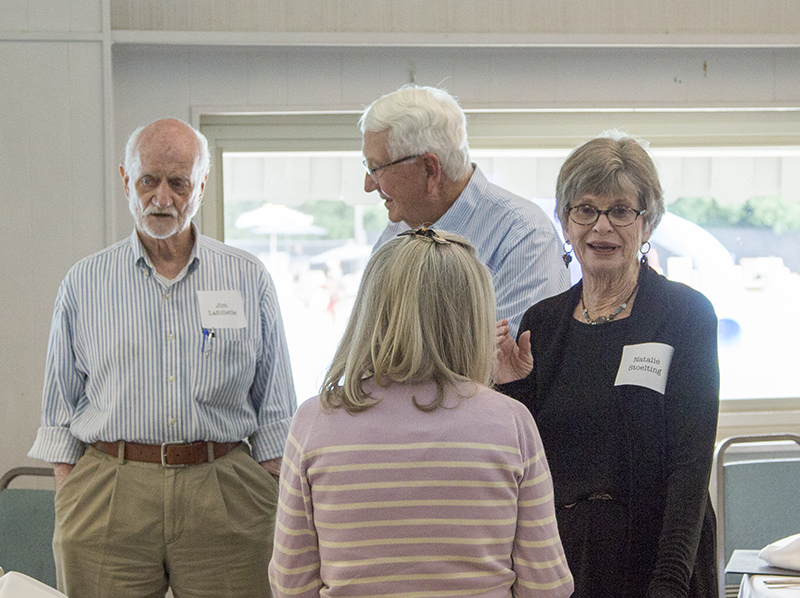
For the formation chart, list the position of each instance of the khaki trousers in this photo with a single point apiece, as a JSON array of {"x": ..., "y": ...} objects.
[{"x": 131, "y": 530}]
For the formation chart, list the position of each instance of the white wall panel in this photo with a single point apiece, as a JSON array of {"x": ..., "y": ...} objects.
[
  {"x": 155, "y": 86},
  {"x": 51, "y": 15},
  {"x": 225, "y": 71},
  {"x": 14, "y": 15},
  {"x": 86, "y": 15},
  {"x": 785, "y": 66},
  {"x": 53, "y": 204},
  {"x": 663, "y": 19},
  {"x": 48, "y": 15},
  {"x": 500, "y": 78},
  {"x": 274, "y": 68}
]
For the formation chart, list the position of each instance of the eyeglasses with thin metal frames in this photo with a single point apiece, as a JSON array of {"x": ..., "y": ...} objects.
[
  {"x": 617, "y": 216},
  {"x": 372, "y": 171}
]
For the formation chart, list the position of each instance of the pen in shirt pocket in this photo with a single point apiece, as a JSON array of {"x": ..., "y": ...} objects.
[{"x": 208, "y": 334}]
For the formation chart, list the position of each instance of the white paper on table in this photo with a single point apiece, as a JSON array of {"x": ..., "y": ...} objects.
[
  {"x": 784, "y": 553},
  {"x": 19, "y": 585}
]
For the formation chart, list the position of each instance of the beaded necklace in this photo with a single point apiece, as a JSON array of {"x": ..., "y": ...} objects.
[{"x": 605, "y": 319}]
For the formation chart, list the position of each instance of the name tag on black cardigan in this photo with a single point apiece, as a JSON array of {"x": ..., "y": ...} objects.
[{"x": 646, "y": 364}]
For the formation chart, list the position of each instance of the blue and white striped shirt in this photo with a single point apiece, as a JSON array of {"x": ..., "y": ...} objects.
[
  {"x": 128, "y": 358},
  {"x": 513, "y": 237}
]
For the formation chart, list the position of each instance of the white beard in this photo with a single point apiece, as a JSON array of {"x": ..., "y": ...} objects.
[{"x": 159, "y": 227}]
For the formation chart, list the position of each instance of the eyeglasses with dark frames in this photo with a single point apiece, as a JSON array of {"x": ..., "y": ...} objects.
[
  {"x": 372, "y": 171},
  {"x": 586, "y": 215}
]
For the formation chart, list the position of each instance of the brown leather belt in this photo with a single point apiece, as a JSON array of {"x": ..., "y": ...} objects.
[{"x": 169, "y": 454}]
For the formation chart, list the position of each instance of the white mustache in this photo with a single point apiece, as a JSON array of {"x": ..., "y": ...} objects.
[{"x": 152, "y": 211}]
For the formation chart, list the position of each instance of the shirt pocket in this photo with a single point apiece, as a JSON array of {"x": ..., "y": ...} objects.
[{"x": 225, "y": 367}]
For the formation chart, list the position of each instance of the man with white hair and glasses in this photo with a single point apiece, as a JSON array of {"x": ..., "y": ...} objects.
[
  {"x": 167, "y": 398},
  {"x": 417, "y": 158}
]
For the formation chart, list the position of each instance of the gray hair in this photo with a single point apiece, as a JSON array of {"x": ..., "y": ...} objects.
[
  {"x": 612, "y": 164},
  {"x": 202, "y": 165},
  {"x": 425, "y": 311},
  {"x": 422, "y": 120}
]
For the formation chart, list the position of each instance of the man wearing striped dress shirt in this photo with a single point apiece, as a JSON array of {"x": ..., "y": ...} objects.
[
  {"x": 417, "y": 158},
  {"x": 166, "y": 352}
]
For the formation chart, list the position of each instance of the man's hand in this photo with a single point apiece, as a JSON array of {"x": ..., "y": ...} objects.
[
  {"x": 513, "y": 361},
  {"x": 273, "y": 467},
  {"x": 62, "y": 470}
]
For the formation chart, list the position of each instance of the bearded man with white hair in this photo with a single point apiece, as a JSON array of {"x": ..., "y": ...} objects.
[
  {"x": 417, "y": 158},
  {"x": 168, "y": 397}
]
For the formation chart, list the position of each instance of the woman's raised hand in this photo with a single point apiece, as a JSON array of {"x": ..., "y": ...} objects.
[{"x": 514, "y": 361}]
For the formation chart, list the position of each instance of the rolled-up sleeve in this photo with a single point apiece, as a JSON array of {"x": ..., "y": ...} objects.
[
  {"x": 272, "y": 392},
  {"x": 63, "y": 387}
]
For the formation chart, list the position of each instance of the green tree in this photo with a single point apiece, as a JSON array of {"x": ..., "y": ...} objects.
[
  {"x": 773, "y": 212},
  {"x": 338, "y": 218},
  {"x": 706, "y": 211}
]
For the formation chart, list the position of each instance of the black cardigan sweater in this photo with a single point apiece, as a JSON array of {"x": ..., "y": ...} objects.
[{"x": 669, "y": 437}]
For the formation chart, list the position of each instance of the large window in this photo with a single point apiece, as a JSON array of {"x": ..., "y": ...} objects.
[
  {"x": 755, "y": 363},
  {"x": 305, "y": 214},
  {"x": 732, "y": 231}
]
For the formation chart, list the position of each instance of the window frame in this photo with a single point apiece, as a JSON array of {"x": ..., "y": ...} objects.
[{"x": 252, "y": 131}]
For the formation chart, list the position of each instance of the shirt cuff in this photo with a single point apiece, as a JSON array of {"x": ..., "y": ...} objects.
[
  {"x": 268, "y": 442},
  {"x": 56, "y": 445}
]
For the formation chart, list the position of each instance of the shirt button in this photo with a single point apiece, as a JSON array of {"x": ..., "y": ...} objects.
[
  {"x": 172, "y": 379},
  {"x": 172, "y": 421},
  {"x": 167, "y": 296},
  {"x": 170, "y": 337}
]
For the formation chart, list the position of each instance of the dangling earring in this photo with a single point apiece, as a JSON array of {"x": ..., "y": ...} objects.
[
  {"x": 644, "y": 253},
  {"x": 567, "y": 257}
]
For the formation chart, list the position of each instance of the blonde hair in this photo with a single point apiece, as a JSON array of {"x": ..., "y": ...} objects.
[{"x": 425, "y": 310}]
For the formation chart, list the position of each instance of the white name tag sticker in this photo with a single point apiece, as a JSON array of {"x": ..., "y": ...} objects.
[
  {"x": 645, "y": 365},
  {"x": 221, "y": 309}
]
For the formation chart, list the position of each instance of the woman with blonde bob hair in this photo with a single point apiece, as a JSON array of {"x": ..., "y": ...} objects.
[
  {"x": 408, "y": 473},
  {"x": 425, "y": 311}
]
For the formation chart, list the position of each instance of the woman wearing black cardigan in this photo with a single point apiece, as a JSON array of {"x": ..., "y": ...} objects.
[{"x": 621, "y": 375}]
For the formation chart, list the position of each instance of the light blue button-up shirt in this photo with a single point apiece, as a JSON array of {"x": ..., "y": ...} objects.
[
  {"x": 513, "y": 237},
  {"x": 129, "y": 359}
]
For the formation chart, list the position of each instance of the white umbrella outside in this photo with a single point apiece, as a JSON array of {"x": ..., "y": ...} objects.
[{"x": 274, "y": 219}]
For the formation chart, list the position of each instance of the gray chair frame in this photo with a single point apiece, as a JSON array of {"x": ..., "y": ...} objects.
[
  {"x": 47, "y": 573},
  {"x": 15, "y": 472},
  {"x": 719, "y": 477}
]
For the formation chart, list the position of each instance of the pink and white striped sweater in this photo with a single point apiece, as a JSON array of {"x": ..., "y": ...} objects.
[{"x": 397, "y": 502}]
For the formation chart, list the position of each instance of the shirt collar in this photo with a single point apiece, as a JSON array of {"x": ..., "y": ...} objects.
[
  {"x": 464, "y": 206},
  {"x": 142, "y": 260}
]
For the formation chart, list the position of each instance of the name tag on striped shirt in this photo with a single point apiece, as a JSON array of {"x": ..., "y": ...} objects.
[{"x": 221, "y": 309}]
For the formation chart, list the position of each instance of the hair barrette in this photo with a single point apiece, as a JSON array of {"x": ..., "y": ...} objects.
[{"x": 426, "y": 232}]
